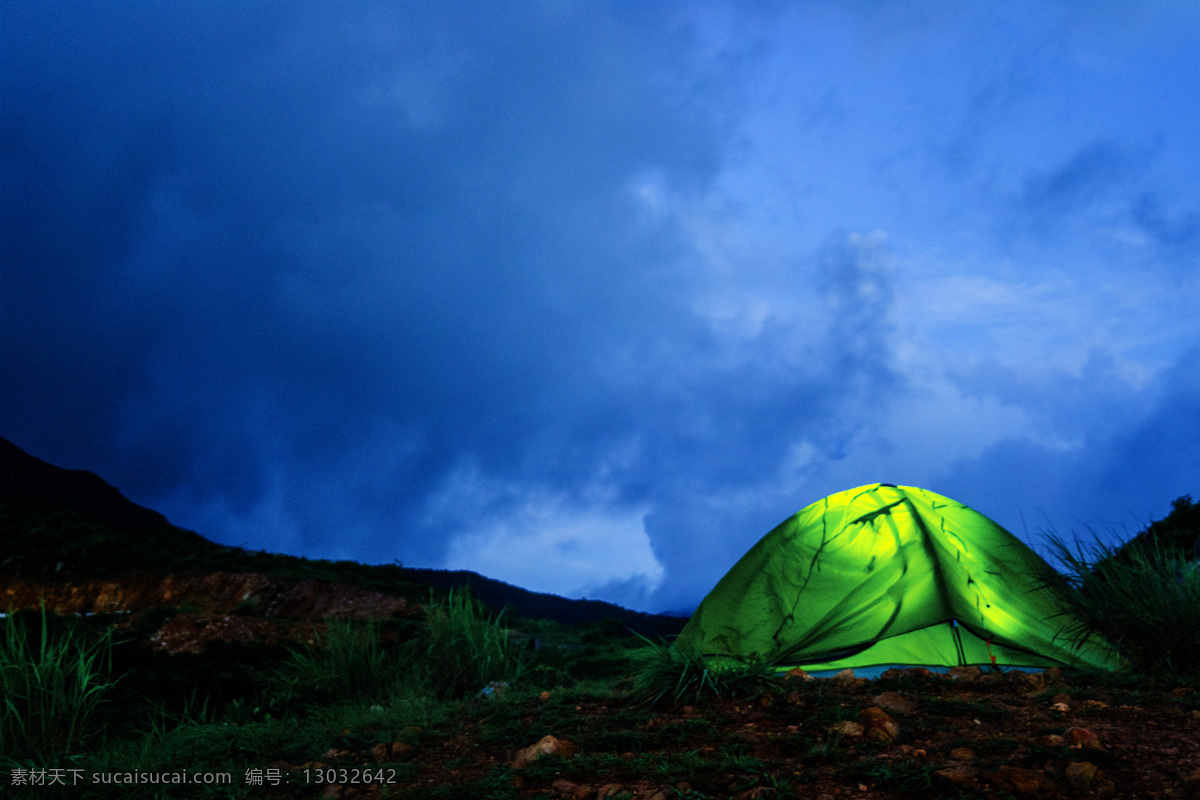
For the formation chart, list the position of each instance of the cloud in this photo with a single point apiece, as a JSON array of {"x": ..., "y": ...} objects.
[
  {"x": 444, "y": 284},
  {"x": 1122, "y": 466}
]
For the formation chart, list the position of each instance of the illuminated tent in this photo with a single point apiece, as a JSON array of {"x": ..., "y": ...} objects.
[{"x": 883, "y": 575}]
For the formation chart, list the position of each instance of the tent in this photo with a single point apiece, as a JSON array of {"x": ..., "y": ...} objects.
[{"x": 890, "y": 575}]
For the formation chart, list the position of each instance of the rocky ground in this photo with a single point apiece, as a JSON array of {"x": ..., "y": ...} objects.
[{"x": 907, "y": 734}]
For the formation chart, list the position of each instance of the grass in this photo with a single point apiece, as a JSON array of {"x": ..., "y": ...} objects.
[
  {"x": 1143, "y": 597},
  {"x": 350, "y": 663},
  {"x": 676, "y": 675},
  {"x": 52, "y": 686},
  {"x": 464, "y": 648}
]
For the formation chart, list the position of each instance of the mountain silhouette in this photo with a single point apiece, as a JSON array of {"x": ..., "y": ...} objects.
[
  {"x": 31, "y": 486},
  {"x": 27, "y": 483}
]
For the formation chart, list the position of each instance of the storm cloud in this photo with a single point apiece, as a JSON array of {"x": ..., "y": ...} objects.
[{"x": 589, "y": 297}]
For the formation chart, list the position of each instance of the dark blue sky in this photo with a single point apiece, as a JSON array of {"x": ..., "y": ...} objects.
[{"x": 588, "y": 297}]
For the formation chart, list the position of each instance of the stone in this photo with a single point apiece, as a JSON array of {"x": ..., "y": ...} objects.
[
  {"x": 1081, "y": 775},
  {"x": 547, "y": 745},
  {"x": 797, "y": 674},
  {"x": 847, "y": 727},
  {"x": 1049, "y": 740},
  {"x": 609, "y": 790},
  {"x": 1077, "y": 738},
  {"x": 757, "y": 793},
  {"x": 845, "y": 676},
  {"x": 1028, "y": 682},
  {"x": 962, "y": 754},
  {"x": 965, "y": 673},
  {"x": 880, "y": 727},
  {"x": 1022, "y": 781},
  {"x": 564, "y": 786},
  {"x": 1084, "y": 776},
  {"x": 958, "y": 775},
  {"x": 893, "y": 703},
  {"x": 1053, "y": 676}
]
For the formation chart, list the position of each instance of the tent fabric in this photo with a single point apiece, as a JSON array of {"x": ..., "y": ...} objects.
[{"x": 887, "y": 574}]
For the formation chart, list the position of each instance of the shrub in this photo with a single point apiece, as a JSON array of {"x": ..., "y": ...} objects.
[
  {"x": 51, "y": 687},
  {"x": 665, "y": 672},
  {"x": 1144, "y": 597}
]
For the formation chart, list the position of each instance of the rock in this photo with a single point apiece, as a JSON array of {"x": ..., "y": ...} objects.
[
  {"x": 893, "y": 703},
  {"x": 846, "y": 727},
  {"x": 757, "y": 793},
  {"x": 797, "y": 674},
  {"x": 544, "y": 696},
  {"x": 381, "y": 752},
  {"x": 546, "y": 746},
  {"x": 879, "y": 726},
  {"x": 1061, "y": 697},
  {"x": 1053, "y": 676},
  {"x": 965, "y": 673},
  {"x": 1062, "y": 708},
  {"x": 494, "y": 689},
  {"x": 1086, "y": 777},
  {"x": 958, "y": 775},
  {"x": 564, "y": 786},
  {"x": 1028, "y": 682},
  {"x": 962, "y": 754},
  {"x": 609, "y": 790},
  {"x": 1077, "y": 738},
  {"x": 1081, "y": 775},
  {"x": 1049, "y": 740},
  {"x": 1094, "y": 705},
  {"x": 1026, "y": 782},
  {"x": 845, "y": 676}
]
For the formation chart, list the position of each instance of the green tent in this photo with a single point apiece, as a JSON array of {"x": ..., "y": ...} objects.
[{"x": 887, "y": 574}]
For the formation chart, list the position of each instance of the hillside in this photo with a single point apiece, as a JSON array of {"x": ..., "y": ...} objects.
[{"x": 61, "y": 528}]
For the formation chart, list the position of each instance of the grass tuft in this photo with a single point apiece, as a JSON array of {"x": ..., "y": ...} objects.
[
  {"x": 52, "y": 684},
  {"x": 348, "y": 663},
  {"x": 675, "y": 674},
  {"x": 1143, "y": 597},
  {"x": 464, "y": 648}
]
